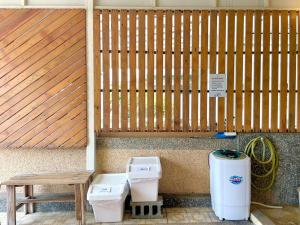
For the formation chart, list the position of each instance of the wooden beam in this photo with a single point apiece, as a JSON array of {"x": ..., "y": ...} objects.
[
  {"x": 48, "y": 198},
  {"x": 157, "y": 134}
]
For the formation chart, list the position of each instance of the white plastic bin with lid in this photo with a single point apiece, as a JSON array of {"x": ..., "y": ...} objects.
[
  {"x": 107, "y": 195},
  {"x": 143, "y": 177}
]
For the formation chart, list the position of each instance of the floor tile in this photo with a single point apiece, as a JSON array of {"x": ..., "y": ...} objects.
[
  {"x": 175, "y": 210},
  {"x": 213, "y": 217},
  {"x": 108, "y": 223},
  {"x": 156, "y": 221},
  {"x": 199, "y": 217},
  {"x": 178, "y": 218},
  {"x": 198, "y": 209},
  {"x": 174, "y": 216},
  {"x": 288, "y": 215},
  {"x": 129, "y": 220}
]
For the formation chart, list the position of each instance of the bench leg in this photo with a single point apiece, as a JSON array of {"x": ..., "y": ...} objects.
[
  {"x": 79, "y": 204},
  {"x": 11, "y": 205},
  {"x": 28, "y": 191},
  {"x": 83, "y": 202}
]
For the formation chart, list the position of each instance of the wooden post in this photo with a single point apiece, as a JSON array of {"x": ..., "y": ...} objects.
[
  {"x": 28, "y": 191},
  {"x": 83, "y": 198},
  {"x": 78, "y": 201},
  {"x": 11, "y": 205}
]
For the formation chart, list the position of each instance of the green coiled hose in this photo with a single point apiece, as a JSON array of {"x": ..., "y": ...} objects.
[{"x": 266, "y": 160}]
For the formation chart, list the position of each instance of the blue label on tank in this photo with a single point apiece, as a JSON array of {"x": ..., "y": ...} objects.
[{"x": 236, "y": 179}]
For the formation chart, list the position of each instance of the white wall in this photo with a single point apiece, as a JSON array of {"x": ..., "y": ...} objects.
[
  {"x": 241, "y": 3},
  {"x": 158, "y": 3},
  {"x": 287, "y": 3},
  {"x": 55, "y": 2},
  {"x": 186, "y": 3}
]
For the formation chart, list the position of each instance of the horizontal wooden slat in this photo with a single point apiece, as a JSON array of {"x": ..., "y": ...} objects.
[
  {"x": 48, "y": 198},
  {"x": 157, "y": 134}
]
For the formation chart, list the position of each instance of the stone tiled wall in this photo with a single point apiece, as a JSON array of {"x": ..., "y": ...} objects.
[
  {"x": 284, "y": 190},
  {"x": 184, "y": 162},
  {"x": 13, "y": 162}
]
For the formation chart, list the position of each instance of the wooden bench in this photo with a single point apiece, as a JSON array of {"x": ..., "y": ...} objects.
[{"x": 80, "y": 180}]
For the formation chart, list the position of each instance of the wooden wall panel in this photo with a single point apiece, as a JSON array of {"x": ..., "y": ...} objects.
[
  {"x": 97, "y": 88},
  {"x": 124, "y": 70},
  {"x": 204, "y": 63},
  {"x": 239, "y": 70},
  {"x": 115, "y": 70},
  {"x": 212, "y": 66},
  {"x": 141, "y": 48},
  {"x": 248, "y": 71},
  {"x": 167, "y": 72},
  {"x": 292, "y": 77},
  {"x": 221, "y": 67},
  {"x": 177, "y": 70},
  {"x": 43, "y": 79},
  {"x": 195, "y": 69},
  {"x": 230, "y": 70},
  {"x": 257, "y": 71},
  {"x": 275, "y": 46},
  {"x": 266, "y": 71},
  {"x": 106, "y": 69},
  {"x": 150, "y": 74},
  {"x": 159, "y": 71},
  {"x": 186, "y": 71},
  {"x": 132, "y": 63}
]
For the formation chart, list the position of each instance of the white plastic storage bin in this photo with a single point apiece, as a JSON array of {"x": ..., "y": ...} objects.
[
  {"x": 143, "y": 177},
  {"x": 107, "y": 195}
]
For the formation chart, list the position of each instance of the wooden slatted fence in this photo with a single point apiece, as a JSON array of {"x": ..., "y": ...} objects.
[
  {"x": 42, "y": 78},
  {"x": 153, "y": 69}
]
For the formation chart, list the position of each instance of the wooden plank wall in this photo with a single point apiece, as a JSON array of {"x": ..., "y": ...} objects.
[
  {"x": 155, "y": 67},
  {"x": 42, "y": 78}
]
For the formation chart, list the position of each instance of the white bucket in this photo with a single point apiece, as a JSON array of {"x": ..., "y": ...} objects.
[
  {"x": 107, "y": 194},
  {"x": 143, "y": 176}
]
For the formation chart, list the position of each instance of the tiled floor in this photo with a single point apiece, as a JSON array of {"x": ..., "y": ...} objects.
[
  {"x": 201, "y": 216},
  {"x": 287, "y": 216}
]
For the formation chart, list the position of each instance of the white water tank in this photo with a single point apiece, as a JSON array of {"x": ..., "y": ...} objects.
[{"x": 230, "y": 184}]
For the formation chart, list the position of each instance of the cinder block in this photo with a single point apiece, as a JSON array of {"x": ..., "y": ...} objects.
[{"x": 147, "y": 210}]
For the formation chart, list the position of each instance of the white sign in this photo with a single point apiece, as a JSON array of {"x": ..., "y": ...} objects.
[{"x": 217, "y": 85}]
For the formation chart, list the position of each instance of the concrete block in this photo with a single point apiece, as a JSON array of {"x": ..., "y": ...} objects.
[{"x": 147, "y": 210}]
